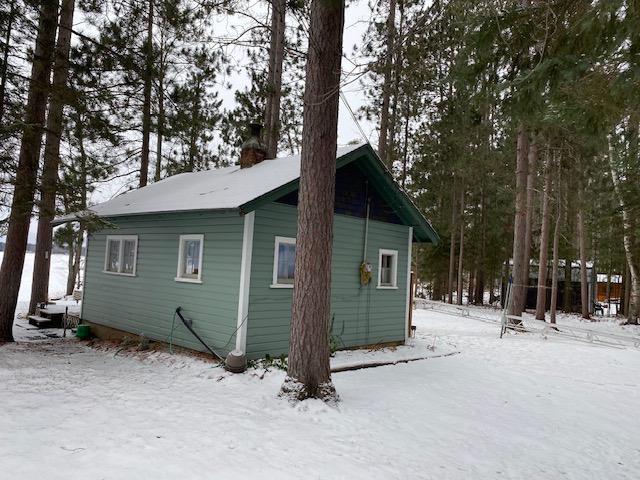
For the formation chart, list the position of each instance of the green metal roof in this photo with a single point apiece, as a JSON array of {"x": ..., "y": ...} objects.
[{"x": 381, "y": 179}]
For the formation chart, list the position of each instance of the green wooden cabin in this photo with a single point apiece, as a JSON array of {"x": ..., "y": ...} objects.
[{"x": 221, "y": 245}]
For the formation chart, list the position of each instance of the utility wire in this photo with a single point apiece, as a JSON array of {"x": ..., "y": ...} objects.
[{"x": 355, "y": 119}]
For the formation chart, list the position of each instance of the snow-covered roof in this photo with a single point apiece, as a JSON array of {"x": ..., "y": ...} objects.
[
  {"x": 217, "y": 189},
  {"x": 244, "y": 189}
]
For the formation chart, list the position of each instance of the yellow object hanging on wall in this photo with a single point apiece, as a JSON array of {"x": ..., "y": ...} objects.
[{"x": 365, "y": 273}]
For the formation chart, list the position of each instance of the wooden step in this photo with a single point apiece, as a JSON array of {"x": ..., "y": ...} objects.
[{"x": 42, "y": 322}]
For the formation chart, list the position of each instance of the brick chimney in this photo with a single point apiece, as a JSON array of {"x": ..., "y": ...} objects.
[{"x": 253, "y": 150}]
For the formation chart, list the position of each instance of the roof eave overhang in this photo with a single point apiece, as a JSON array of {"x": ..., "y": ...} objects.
[
  {"x": 382, "y": 178},
  {"x": 84, "y": 216}
]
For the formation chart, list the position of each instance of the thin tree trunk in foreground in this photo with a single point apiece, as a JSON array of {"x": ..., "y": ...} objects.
[
  {"x": 27, "y": 171},
  {"x": 543, "y": 260},
  {"x": 309, "y": 372},
  {"x": 629, "y": 243},
  {"x": 146, "y": 107},
  {"x": 520, "y": 225},
  {"x": 276, "y": 59},
  {"x": 49, "y": 181}
]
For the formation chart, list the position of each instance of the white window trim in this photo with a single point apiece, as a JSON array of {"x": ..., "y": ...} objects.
[
  {"x": 181, "y": 242},
  {"x": 121, "y": 238},
  {"x": 394, "y": 270},
  {"x": 278, "y": 241}
]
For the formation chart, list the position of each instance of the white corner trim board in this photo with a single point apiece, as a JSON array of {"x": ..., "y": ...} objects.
[
  {"x": 245, "y": 282},
  {"x": 406, "y": 318}
]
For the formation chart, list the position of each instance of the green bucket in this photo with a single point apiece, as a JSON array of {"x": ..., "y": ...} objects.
[{"x": 83, "y": 332}]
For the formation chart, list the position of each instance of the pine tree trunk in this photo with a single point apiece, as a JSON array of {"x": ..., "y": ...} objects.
[
  {"x": 478, "y": 295},
  {"x": 492, "y": 290},
  {"x": 480, "y": 273},
  {"x": 309, "y": 370},
  {"x": 582, "y": 242},
  {"x": 437, "y": 288},
  {"x": 49, "y": 181},
  {"x": 276, "y": 59},
  {"x": 146, "y": 107},
  {"x": 405, "y": 148},
  {"x": 633, "y": 309},
  {"x": 461, "y": 252},
  {"x": 74, "y": 269},
  {"x": 160, "y": 132},
  {"x": 608, "y": 292},
  {"x": 556, "y": 260},
  {"x": 543, "y": 260},
  {"x": 452, "y": 246},
  {"x": 520, "y": 225},
  {"x": 193, "y": 132},
  {"x": 27, "y": 171},
  {"x": 383, "y": 140},
  {"x": 568, "y": 287},
  {"x": 471, "y": 287},
  {"x": 392, "y": 148},
  {"x": 626, "y": 300},
  {"x": 5, "y": 58},
  {"x": 623, "y": 289},
  {"x": 531, "y": 176}
]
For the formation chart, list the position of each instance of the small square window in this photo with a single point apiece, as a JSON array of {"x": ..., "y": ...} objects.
[
  {"x": 121, "y": 254},
  {"x": 284, "y": 262},
  {"x": 190, "y": 258},
  {"x": 388, "y": 269}
]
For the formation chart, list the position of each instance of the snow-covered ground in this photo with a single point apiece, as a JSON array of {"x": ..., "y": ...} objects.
[
  {"x": 520, "y": 407},
  {"x": 57, "y": 278}
]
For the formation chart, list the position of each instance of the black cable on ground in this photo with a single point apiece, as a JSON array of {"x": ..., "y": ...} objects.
[{"x": 193, "y": 332}]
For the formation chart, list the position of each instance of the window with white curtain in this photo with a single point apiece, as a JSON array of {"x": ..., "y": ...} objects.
[
  {"x": 284, "y": 262},
  {"x": 190, "y": 258}
]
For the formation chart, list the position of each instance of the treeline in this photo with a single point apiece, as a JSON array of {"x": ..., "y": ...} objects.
[{"x": 515, "y": 124}]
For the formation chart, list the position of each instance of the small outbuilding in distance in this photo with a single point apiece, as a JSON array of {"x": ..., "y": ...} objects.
[{"x": 220, "y": 244}]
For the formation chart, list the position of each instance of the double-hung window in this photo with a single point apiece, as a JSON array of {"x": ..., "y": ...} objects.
[
  {"x": 190, "y": 258},
  {"x": 388, "y": 268},
  {"x": 121, "y": 254},
  {"x": 284, "y": 262}
]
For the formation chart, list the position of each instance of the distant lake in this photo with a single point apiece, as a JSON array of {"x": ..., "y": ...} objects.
[{"x": 57, "y": 278}]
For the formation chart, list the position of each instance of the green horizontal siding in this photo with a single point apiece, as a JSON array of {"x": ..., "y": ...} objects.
[
  {"x": 145, "y": 304},
  {"x": 362, "y": 315}
]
